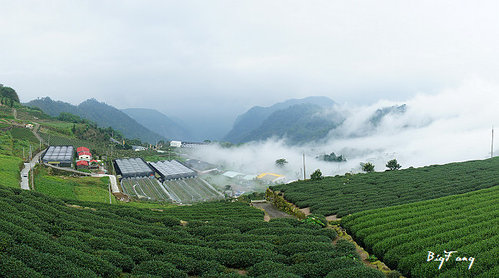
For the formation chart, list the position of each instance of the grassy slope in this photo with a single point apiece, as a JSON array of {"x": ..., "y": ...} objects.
[
  {"x": 9, "y": 171},
  {"x": 343, "y": 195},
  {"x": 73, "y": 188},
  {"x": 402, "y": 235}
]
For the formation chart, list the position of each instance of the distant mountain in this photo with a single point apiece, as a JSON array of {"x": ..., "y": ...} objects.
[
  {"x": 298, "y": 124},
  {"x": 104, "y": 115},
  {"x": 245, "y": 126},
  {"x": 376, "y": 118},
  {"x": 159, "y": 123}
]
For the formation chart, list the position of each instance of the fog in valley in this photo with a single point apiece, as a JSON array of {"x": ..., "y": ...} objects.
[{"x": 452, "y": 125}]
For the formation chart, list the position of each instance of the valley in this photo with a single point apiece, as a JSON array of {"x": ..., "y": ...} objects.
[{"x": 171, "y": 214}]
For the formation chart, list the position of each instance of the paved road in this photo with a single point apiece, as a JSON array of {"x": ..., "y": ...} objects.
[
  {"x": 68, "y": 169},
  {"x": 114, "y": 184},
  {"x": 27, "y": 168}
]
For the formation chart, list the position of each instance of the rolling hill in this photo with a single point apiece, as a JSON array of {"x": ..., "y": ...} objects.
[{"x": 102, "y": 114}]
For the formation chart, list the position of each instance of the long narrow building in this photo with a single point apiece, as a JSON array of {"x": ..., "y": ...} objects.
[
  {"x": 169, "y": 170},
  {"x": 132, "y": 167}
]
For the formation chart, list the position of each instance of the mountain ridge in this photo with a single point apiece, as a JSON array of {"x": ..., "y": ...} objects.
[
  {"x": 101, "y": 113},
  {"x": 255, "y": 116}
]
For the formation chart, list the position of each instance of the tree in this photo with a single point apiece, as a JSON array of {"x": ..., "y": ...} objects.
[
  {"x": 316, "y": 175},
  {"x": 393, "y": 165},
  {"x": 9, "y": 93},
  {"x": 281, "y": 162},
  {"x": 367, "y": 167}
]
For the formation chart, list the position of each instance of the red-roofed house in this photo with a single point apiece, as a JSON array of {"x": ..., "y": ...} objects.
[
  {"x": 94, "y": 163},
  {"x": 82, "y": 164},
  {"x": 82, "y": 149},
  {"x": 84, "y": 156}
]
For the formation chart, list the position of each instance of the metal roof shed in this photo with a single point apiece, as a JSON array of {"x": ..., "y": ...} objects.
[{"x": 133, "y": 167}]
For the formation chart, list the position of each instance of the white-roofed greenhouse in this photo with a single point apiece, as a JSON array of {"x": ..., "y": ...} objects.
[
  {"x": 169, "y": 170},
  {"x": 133, "y": 167},
  {"x": 59, "y": 155}
]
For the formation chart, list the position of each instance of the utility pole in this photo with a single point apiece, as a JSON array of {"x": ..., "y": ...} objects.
[
  {"x": 304, "y": 171},
  {"x": 492, "y": 144},
  {"x": 110, "y": 191}
]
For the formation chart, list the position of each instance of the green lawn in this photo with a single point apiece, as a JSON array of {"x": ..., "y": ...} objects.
[
  {"x": 73, "y": 188},
  {"x": 9, "y": 171}
]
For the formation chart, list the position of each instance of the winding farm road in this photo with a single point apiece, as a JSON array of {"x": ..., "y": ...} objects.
[{"x": 27, "y": 168}]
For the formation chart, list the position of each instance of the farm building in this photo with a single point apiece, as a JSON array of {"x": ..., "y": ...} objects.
[
  {"x": 233, "y": 175},
  {"x": 132, "y": 167},
  {"x": 193, "y": 144},
  {"x": 59, "y": 155},
  {"x": 94, "y": 164},
  {"x": 169, "y": 170},
  {"x": 82, "y": 149},
  {"x": 271, "y": 177},
  {"x": 176, "y": 144},
  {"x": 84, "y": 156},
  {"x": 138, "y": 148},
  {"x": 82, "y": 164},
  {"x": 200, "y": 166}
]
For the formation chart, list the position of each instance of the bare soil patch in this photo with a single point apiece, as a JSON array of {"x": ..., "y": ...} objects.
[
  {"x": 332, "y": 218},
  {"x": 271, "y": 211},
  {"x": 306, "y": 211}
]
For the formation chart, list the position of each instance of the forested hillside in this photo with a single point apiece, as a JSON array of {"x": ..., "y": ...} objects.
[
  {"x": 246, "y": 124},
  {"x": 102, "y": 114}
]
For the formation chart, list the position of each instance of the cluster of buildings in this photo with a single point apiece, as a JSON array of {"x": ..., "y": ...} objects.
[
  {"x": 64, "y": 156},
  {"x": 85, "y": 159}
]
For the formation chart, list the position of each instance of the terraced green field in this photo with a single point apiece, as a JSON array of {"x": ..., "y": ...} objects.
[
  {"x": 43, "y": 236},
  {"x": 347, "y": 194},
  {"x": 410, "y": 237}
]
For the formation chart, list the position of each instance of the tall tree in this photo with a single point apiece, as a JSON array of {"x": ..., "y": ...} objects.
[
  {"x": 281, "y": 162},
  {"x": 8, "y": 93},
  {"x": 316, "y": 175},
  {"x": 393, "y": 165},
  {"x": 367, "y": 167}
]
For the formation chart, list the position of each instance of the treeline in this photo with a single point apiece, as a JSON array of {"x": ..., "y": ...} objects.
[
  {"x": 343, "y": 195},
  {"x": 43, "y": 236}
]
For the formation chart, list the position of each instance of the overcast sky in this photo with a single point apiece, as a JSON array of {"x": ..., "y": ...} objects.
[{"x": 219, "y": 58}]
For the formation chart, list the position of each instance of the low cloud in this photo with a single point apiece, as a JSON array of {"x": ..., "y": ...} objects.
[{"x": 453, "y": 125}]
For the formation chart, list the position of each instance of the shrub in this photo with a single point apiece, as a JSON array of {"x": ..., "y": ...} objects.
[
  {"x": 159, "y": 268},
  {"x": 266, "y": 267},
  {"x": 355, "y": 272},
  {"x": 124, "y": 262}
]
